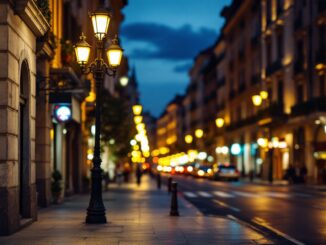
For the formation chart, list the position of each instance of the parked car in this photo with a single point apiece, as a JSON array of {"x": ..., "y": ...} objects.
[
  {"x": 203, "y": 172},
  {"x": 226, "y": 172}
]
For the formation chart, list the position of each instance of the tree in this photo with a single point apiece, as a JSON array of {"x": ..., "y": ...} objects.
[{"x": 117, "y": 126}]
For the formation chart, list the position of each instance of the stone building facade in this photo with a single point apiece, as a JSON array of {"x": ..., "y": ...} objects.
[{"x": 21, "y": 23}]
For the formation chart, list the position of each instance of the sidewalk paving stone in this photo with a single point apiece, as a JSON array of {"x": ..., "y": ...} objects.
[{"x": 136, "y": 215}]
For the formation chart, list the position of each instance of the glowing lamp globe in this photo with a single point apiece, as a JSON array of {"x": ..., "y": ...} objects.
[
  {"x": 256, "y": 100},
  {"x": 199, "y": 133},
  {"x": 188, "y": 139},
  {"x": 114, "y": 53},
  {"x": 137, "y": 109},
  {"x": 82, "y": 50},
  {"x": 100, "y": 20},
  {"x": 264, "y": 94},
  {"x": 219, "y": 122},
  {"x": 124, "y": 81}
]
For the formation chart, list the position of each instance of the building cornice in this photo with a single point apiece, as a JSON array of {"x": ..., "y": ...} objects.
[{"x": 32, "y": 16}]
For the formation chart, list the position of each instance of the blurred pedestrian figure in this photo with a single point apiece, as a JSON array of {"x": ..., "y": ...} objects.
[
  {"x": 106, "y": 180},
  {"x": 119, "y": 174},
  {"x": 138, "y": 174},
  {"x": 126, "y": 172},
  {"x": 290, "y": 174},
  {"x": 303, "y": 174}
]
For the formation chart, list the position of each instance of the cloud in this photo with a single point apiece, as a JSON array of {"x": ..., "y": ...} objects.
[
  {"x": 184, "y": 67},
  {"x": 169, "y": 43}
]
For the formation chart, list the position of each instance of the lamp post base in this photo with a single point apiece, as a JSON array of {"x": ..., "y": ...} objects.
[{"x": 95, "y": 217}]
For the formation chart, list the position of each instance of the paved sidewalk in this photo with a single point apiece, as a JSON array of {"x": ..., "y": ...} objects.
[{"x": 136, "y": 215}]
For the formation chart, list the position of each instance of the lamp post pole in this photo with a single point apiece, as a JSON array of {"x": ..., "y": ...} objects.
[
  {"x": 100, "y": 21},
  {"x": 96, "y": 209}
]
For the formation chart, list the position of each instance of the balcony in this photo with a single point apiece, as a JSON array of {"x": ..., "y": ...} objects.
[
  {"x": 274, "y": 111},
  {"x": 311, "y": 106},
  {"x": 274, "y": 67}
]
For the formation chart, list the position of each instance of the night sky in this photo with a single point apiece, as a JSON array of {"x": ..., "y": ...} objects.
[{"x": 161, "y": 39}]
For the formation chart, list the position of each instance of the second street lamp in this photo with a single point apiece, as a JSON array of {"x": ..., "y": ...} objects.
[{"x": 100, "y": 21}]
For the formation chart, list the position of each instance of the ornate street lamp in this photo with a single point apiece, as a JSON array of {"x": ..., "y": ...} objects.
[{"x": 100, "y": 21}]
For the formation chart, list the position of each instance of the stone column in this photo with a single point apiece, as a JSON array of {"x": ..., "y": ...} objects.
[{"x": 43, "y": 126}]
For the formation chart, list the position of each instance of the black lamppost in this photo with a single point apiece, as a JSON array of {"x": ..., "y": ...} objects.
[{"x": 100, "y": 21}]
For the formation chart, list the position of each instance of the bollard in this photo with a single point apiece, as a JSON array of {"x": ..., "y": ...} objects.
[
  {"x": 174, "y": 200},
  {"x": 169, "y": 184},
  {"x": 158, "y": 178}
]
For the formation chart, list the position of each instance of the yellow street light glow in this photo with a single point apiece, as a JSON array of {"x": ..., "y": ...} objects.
[
  {"x": 137, "y": 109},
  {"x": 264, "y": 94},
  {"x": 140, "y": 127},
  {"x": 114, "y": 53},
  {"x": 135, "y": 147},
  {"x": 262, "y": 142},
  {"x": 124, "y": 81},
  {"x": 219, "y": 122},
  {"x": 138, "y": 119},
  {"x": 82, "y": 50},
  {"x": 256, "y": 100},
  {"x": 199, "y": 133},
  {"x": 100, "y": 21},
  {"x": 188, "y": 139}
]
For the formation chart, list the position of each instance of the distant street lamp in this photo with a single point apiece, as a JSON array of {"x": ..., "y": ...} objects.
[
  {"x": 256, "y": 100},
  {"x": 137, "y": 109},
  {"x": 100, "y": 21},
  {"x": 188, "y": 139},
  {"x": 124, "y": 81},
  {"x": 199, "y": 133},
  {"x": 219, "y": 122}
]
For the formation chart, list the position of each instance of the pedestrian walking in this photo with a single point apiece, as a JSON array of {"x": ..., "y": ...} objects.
[{"x": 138, "y": 174}]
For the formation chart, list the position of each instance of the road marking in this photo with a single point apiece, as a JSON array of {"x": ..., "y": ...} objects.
[
  {"x": 245, "y": 194},
  {"x": 223, "y": 194},
  {"x": 190, "y": 194},
  {"x": 223, "y": 204},
  {"x": 276, "y": 194},
  {"x": 204, "y": 194},
  {"x": 265, "y": 224}
]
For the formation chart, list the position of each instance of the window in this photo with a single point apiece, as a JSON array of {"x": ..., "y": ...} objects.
[
  {"x": 280, "y": 45},
  {"x": 299, "y": 93}
]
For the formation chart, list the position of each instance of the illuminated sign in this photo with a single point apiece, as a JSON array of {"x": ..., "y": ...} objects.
[
  {"x": 62, "y": 113},
  {"x": 236, "y": 149}
]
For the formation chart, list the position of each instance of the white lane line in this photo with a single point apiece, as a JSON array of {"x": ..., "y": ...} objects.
[
  {"x": 245, "y": 194},
  {"x": 223, "y": 194},
  {"x": 265, "y": 224},
  {"x": 223, "y": 204},
  {"x": 190, "y": 194},
  {"x": 276, "y": 194},
  {"x": 204, "y": 194}
]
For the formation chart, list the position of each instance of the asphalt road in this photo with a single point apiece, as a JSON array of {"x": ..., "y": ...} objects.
[{"x": 296, "y": 213}]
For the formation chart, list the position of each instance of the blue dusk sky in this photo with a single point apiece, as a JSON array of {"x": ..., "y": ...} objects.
[{"x": 161, "y": 39}]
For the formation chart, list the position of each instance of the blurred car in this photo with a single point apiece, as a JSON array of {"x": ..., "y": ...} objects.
[
  {"x": 226, "y": 172},
  {"x": 203, "y": 172},
  {"x": 189, "y": 168}
]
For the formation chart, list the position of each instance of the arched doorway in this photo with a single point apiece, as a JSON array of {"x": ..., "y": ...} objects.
[{"x": 24, "y": 142}]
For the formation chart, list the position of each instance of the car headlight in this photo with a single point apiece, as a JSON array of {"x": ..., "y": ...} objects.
[{"x": 201, "y": 173}]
